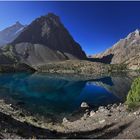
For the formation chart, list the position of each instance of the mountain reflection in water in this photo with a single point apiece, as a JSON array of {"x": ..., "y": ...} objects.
[{"x": 42, "y": 93}]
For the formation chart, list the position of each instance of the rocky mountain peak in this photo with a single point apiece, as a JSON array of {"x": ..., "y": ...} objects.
[
  {"x": 52, "y": 15},
  {"x": 134, "y": 35},
  {"x": 47, "y": 21},
  {"x": 49, "y": 31},
  {"x": 137, "y": 32},
  {"x": 125, "y": 51},
  {"x": 18, "y": 23}
]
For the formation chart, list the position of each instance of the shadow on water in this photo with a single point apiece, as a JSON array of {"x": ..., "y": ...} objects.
[{"x": 44, "y": 94}]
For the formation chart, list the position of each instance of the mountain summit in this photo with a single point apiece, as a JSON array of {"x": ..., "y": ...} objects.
[
  {"x": 125, "y": 51},
  {"x": 9, "y": 34},
  {"x": 50, "y": 32}
]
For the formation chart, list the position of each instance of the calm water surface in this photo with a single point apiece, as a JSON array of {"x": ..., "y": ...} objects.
[{"x": 43, "y": 94}]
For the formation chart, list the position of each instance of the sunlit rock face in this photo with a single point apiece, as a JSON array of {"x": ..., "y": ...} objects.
[{"x": 126, "y": 51}]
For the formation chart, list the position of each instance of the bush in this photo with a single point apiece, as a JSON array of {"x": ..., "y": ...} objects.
[{"x": 133, "y": 97}]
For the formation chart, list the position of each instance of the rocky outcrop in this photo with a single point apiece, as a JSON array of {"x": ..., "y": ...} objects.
[
  {"x": 126, "y": 51},
  {"x": 9, "y": 34}
]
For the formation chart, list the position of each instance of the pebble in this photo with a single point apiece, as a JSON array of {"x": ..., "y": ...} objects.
[
  {"x": 114, "y": 105},
  {"x": 87, "y": 110},
  {"x": 102, "y": 121},
  {"x": 109, "y": 106},
  {"x": 136, "y": 113},
  {"x": 101, "y": 108}
]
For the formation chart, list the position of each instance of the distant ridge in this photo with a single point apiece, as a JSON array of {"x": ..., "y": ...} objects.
[{"x": 9, "y": 34}]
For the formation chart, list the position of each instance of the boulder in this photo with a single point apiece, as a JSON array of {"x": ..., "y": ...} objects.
[
  {"x": 84, "y": 105},
  {"x": 101, "y": 121},
  {"x": 101, "y": 109},
  {"x": 65, "y": 120}
]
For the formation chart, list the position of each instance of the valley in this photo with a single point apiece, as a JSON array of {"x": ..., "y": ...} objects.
[{"x": 50, "y": 88}]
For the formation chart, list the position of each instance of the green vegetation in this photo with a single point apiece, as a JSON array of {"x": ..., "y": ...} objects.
[
  {"x": 7, "y": 48},
  {"x": 8, "y": 52},
  {"x": 133, "y": 98}
]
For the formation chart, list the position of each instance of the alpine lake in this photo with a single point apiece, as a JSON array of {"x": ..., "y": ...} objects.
[{"x": 55, "y": 95}]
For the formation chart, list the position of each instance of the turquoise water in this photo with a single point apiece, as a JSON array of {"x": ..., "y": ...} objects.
[{"x": 43, "y": 94}]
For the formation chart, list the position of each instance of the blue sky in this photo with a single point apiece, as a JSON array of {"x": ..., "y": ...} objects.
[{"x": 95, "y": 25}]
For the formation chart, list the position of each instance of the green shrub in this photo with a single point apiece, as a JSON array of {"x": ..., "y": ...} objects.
[{"x": 133, "y": 97}]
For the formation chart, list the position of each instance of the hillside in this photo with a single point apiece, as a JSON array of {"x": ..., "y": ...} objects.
[{"x": 125, "y": 51}]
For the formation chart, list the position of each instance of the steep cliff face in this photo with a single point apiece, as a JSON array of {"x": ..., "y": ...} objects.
[
  {"x": 9, "y": 34},
  {"x": 126, "y": 51},
  {"x": 46, "y": 39}
]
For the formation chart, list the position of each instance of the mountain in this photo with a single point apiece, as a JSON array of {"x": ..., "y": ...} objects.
[
  {"x": 9, "y": 34},
  {"x": 44, "y": 40},
  {"x": 125, "y": 51}
]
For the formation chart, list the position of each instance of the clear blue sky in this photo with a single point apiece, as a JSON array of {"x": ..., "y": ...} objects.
[{"x": 95, "y": 25}]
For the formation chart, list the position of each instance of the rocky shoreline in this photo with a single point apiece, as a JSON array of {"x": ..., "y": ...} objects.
[
  {"x": 83, "y": 67},
  {"x": 112, "y": 121}
]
